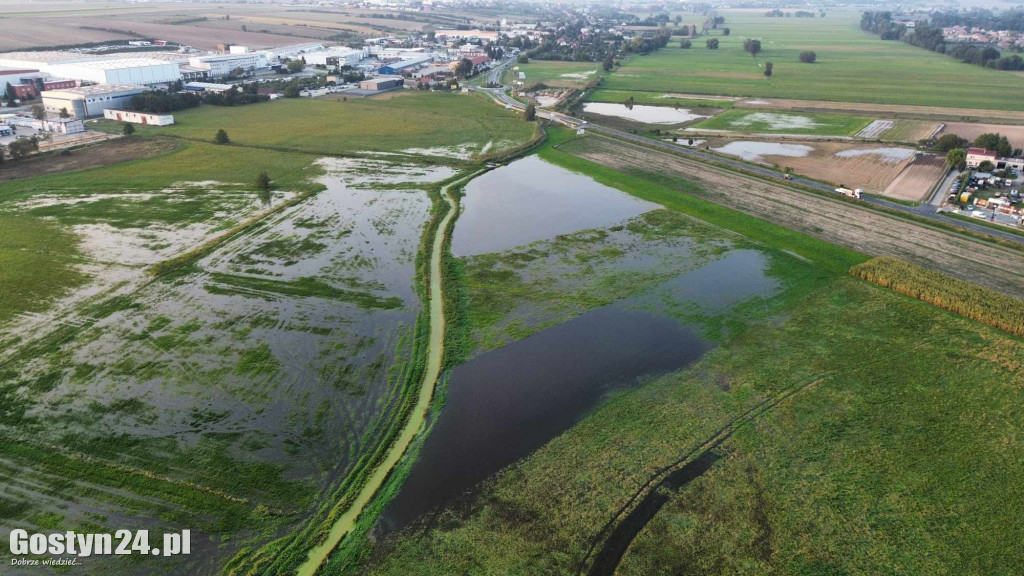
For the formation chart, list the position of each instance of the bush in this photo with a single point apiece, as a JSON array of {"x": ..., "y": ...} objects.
[
  {"x": 808, "y": 57},
  {"x": 768, "y": 66},
  {"x": 712, "y": 43},
  {"x": 221, "y": 137},
  {"x": 685, "y": 44},
  {"x": 958, "y": 296}
]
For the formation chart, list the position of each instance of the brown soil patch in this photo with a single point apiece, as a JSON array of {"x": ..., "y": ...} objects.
[
  {"x": 105, "y": 154},
  {"x": 1012, "y": 116},
  {"x": 970, "y": 131},
  {"x": 917, "y": 179},
  {"x": 830, "y": 219}
]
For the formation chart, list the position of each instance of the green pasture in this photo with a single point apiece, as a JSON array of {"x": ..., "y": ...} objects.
[
  {"x": 555, "y": 73},
  {"x": 852, "y": 66},
  {"x": 760, "y": 121},
  {"x": 657, "y": 99}
]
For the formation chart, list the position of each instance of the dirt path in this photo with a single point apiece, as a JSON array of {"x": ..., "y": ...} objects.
[{"x": 418, "y": 415}]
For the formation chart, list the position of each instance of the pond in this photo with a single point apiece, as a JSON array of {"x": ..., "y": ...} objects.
[
  {"x": 640, "y": 113},
  {"x": 530, "y": 200},
  {"x": 506, "y": 403}
]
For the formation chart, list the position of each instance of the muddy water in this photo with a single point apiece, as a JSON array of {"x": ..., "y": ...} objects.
[
  {"x": 504, "y": 404},
  {"x": 755, "y": 151},
  {"x": 531, "y": 200}
]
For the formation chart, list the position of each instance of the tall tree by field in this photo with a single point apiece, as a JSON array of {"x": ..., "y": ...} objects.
[
  {"x": 295, "y": 66},
  {"x": 221, "y": 137},
  {"x": 712, "y": 43},
  {"x": 263, "y": 181},
  {"x": 685, "y": 44},
  {"x": 23, "y": 147},
  {"x": 808, "y": 57},
  {"x": 608, "y": 63},
  {"x": 768, "y": 68},
  {"x": 994, "y": 141},
  {"x": 751, "y": 45},
  {"x": 127, "y": 129},
  {"x": 464, "y": 68},
  {"x": 531, "y": 112},
  {"x": 10, "y": 95},
  {"x": 948, "y": 142},
  {"x": 523, "y": 59},
  {"x": 726, "y": 31},
  {"x": 957, "y": 158},
  {"x": 38, "y": 112}
]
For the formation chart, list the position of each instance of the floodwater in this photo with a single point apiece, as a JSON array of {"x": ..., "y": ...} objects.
[
  {"x": 504, "y": 404},
  {"x": 775, "y": 121},
  {"x": 531, "y": 200},
  {"x": 756, "y": 151},
  {"x": 891, "y": 155},
  {"x": 645, "y": 114}
]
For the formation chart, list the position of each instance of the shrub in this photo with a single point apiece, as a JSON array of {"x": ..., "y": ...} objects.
[{"x": 808, "y": 57}]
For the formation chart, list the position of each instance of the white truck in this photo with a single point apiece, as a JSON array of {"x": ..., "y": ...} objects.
[{"x": 851, "y": 193}]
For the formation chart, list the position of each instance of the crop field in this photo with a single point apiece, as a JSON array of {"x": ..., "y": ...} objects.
[
  {"x": 909, "y": 130},
  {"x": 917, "y": 179},
  {"x": 655, "y": 99},
  {"x": 852, "y": 66},
  {"x": 760, "y": 122},
  {"x": 970, "y": 131},
  {"x": 863, "y": 366},
  {"x": 558, "y": 74},
  {"x": 433, "y": 124}
]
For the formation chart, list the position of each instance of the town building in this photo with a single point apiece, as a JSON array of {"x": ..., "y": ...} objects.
[
  {"x": 139, "y": 117},
  {"x": 217, "y": 65},
  {"x": 380, "y": 84},
  {"x": 404, "y": 66},
  {"x": 335, "y": 57},
  {"x": 90, "y": 101},
  {"x": 976, "y": 156}
]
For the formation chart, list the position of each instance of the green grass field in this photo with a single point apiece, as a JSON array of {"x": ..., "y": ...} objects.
[
  {"x": 761, "y": 121},
  {"x": 558, "y": 74},
  {"x": 406, "y": 120},
  {"x": 658, "y": 99},
  {"x": 37, "y": 264},
  {"x": 852, "y": 65},
  {"x": 900, "y": 455}
]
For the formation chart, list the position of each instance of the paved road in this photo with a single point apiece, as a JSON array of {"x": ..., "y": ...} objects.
[{"x": 924, "y": 210}]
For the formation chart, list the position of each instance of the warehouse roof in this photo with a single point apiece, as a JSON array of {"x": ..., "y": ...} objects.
[
  {"x": 121, "y": 63},
  {"x": 96, "y": 89}
]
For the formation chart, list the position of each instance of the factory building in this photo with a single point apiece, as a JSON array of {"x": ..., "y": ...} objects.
[
  {"x": 89, "y": 101},
  {"x": 406, "y": 65},
  {"x": 119, "y": 71},
  {"x": 380, "y": 84},
  {"x": 18, "y": 77},
  {"x": 139, "y": 117},
  {"x": 290, "y": 51},
  {"x": 223, "y": 64},
  {"x": 335, "y": 57}
]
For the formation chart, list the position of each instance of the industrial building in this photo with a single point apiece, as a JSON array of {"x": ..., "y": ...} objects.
[
  {"x": 406, "y": 65},
  {"x": 90, "y": 101},
  {"x": 139, "y": 117},
  {"x": 380, "y": 84},
  {"x": 119, "y": 71},
  {"x": 17, "y": 77},
  {"x": 218, "y": 65},
  {"x": 335, "y": 57},
  {"x": 63, "y": 126}
]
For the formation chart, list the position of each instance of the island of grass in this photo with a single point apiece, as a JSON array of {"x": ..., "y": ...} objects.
[
  {"x": 557, "y": 74},
  {"x": 751, "y": 121}
]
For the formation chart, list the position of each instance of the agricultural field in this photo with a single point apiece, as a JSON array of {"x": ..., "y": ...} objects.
[
  {"x": 918, "y": 178},
  {"x": 453, "y": 126},
  {"x": 792, "y": 462},
  {"x": 768, "y": 122},
  {"x": 852, "y": 66},
  {"x": 907, "y": 130},
  {"x": 557, "y": 74},
  {"x": 655, "y": 99},
  {"x": 885, "y": 110}
]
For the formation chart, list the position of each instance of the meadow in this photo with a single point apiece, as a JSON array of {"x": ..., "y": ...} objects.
[
  {"x": 852, "y": 65},
  {"x": 555, "y": 73},
  {"x": 415, "y": 122},
  {"x": 794, "y": 491}
]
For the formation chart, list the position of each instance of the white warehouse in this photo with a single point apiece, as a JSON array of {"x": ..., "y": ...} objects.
[
  {"x": 120, "y": 71},
  {"x": 223, "y": 64},
  {"x": 88, "y": 101},
  {"x": 338, "y": 56}
]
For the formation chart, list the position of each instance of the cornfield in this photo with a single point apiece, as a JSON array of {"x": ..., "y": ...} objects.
[{"x": 957, "y": 296}]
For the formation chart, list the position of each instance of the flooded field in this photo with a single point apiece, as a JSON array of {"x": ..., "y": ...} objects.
[
  {"x": 262, "y": 372},
  {"x": 641, "y": 113},
  {"x": 531, "y": 200},
  {"x": 756, "y": 151}
]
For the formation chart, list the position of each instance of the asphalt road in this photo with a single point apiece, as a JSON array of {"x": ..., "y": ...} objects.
[{"x": 924, "y": 210}]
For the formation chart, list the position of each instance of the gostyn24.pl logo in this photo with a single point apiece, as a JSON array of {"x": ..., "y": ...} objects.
[{"x": 123, "y": 542}]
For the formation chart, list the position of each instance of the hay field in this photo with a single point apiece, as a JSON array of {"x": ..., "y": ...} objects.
[
  {"x": 852, "y": 66},
  {"x": 917, "y": 179}
]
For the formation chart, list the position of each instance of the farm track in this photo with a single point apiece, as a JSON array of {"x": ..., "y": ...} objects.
[
  {"x": 832, "y": 220},
  {"x": 417, "y": 418}
]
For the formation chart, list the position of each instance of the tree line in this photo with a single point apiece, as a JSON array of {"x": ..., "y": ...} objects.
[{"x": 924, "y": 36}]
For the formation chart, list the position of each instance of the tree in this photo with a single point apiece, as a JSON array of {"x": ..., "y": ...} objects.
[
  {"x": 238, "y": 71},
  {"x": 751, "y": 45},
  {"x": 629, "y": 103},
  {"x": 685, "y": 44},
  {"x": 221, "y": 137},
  {"x": 38, "y": 112},
  {"x": 768, "y": 68},
  {"x": 808, "y": 57},
  {"x": 608, "y": 63},
  {"x": 531, "y": 112},
  {"x": 948, "y": 142},
  {"x": 263, "y": 181},
  {"x": 725, "y": 31},
  {"x": 989, "y": 141},
  {"x": 986, "y": 166},
  {"x": 64, "y": 113},
  {"x": 10, "y": 95},
  {"x": 244, "y": 29},
  {"x": 23, "y": 147},
  {"x": 295, "y": 66},
  {"x": 957, "y": 158},
  {"x": 523, "y": 59},
  {"x": 127, "y": 129},
  {"x": 712, "y": 43},
  {"x": 291, "y": 91},
  {"x": 464, "y": 68}
]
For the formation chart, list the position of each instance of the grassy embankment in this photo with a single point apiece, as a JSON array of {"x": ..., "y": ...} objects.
[
  {"x": 852, "y": 66},
  {"x": 743, "y": 120},
  {"x": 931, "y": 393}
]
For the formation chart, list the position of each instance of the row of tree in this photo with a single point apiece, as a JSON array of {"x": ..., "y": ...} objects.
[
  {"x": 990, "y": 141},
  {"x": 930, "y": 38}
]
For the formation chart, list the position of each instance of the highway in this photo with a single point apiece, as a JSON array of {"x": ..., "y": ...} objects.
[{"x": 924, "y": 210}]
